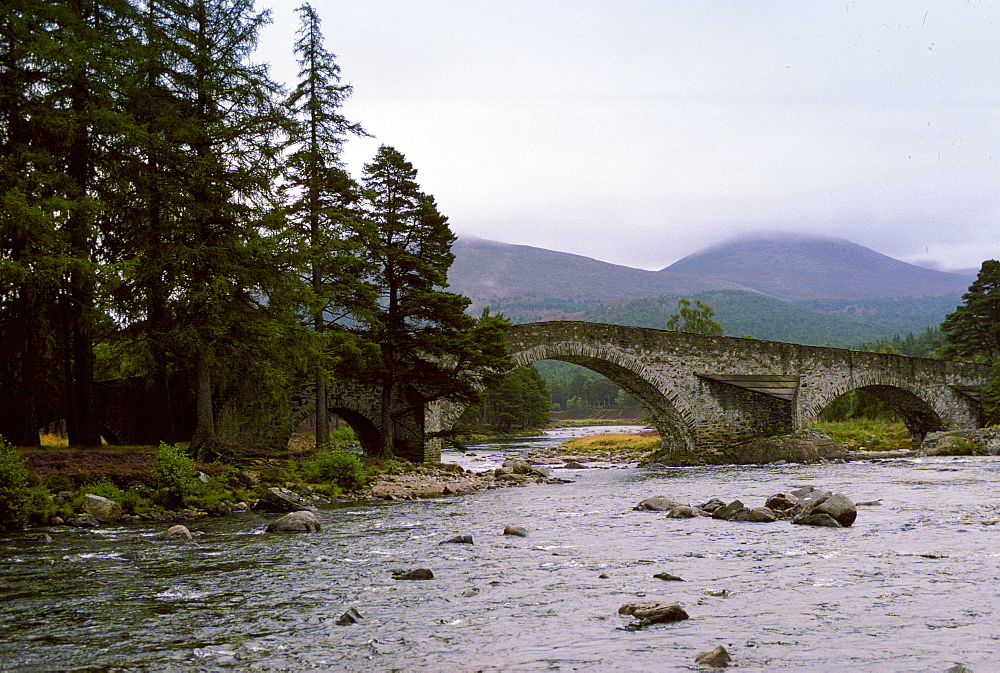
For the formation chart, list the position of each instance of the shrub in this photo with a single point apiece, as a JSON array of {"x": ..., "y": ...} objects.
[
  {"x": 14, "y": 482},
  {"x": 105, "y": 488},
  {"x": 173, "y": 471},
  {"x": 342, "y": 469}
]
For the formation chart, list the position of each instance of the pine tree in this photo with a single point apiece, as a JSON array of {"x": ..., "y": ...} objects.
[
  {"x": 429, "y": 347},
  {"x": 973, "y": 329}
]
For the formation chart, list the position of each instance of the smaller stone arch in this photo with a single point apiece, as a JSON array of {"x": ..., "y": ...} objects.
[
  {"x": 917, "y": 408},
  {"x": 669, "y": 413}
]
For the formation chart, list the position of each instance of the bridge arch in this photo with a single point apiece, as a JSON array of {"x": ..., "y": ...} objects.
[
  {"x": 919, "y": 409},
  {"x": 668, "y": 412}
]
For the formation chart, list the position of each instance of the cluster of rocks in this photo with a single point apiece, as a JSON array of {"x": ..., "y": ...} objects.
[{"x": 807, "y": 505}]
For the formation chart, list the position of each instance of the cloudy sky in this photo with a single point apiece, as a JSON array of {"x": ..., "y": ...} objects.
[{"x": 641, "y": 131}]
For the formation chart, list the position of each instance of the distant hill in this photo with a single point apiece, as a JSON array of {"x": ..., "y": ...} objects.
[
  {"x": 803, "y": 268},
  {"x": 492, "y": 273},
  {"x": 802, "y": 290},
  {"x": 763, "y": 317}
]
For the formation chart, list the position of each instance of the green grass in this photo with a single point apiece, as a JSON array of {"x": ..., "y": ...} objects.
[{"x": 866, "y": 434}]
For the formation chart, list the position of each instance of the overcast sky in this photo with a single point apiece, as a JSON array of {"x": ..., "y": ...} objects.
[{"x": 641, "y": 131}]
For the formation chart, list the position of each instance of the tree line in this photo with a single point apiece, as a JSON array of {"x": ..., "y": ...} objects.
[{"x": 172, "y": 213}]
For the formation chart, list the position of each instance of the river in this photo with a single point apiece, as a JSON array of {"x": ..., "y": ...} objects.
[{"x": 912, "y": 586}]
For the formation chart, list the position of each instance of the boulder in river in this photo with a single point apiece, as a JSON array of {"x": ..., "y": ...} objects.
[
  {"x": 683, "y": 512},
  {"x": 783, "y": 503},
  {"x": 83, "y": 521},
  {"x": 717, "y": 658},
  {"x": 659, "y": 503},
  {"x": 415, "y": 574},
  {"x": 837, "y": 506},
  {"x": 277, "y": 499},
  {"x": 350, "y": 617},
  {"x": 652, "y": 612},
  {"x": 517, "y": 531},
  {"x": 728, "y": 512},
  {"x": 711, "y": 505},
  {"x": 668, "y": 577},
  {"x": 295, "y": 522},
  {"x": 458, "y": 539},
  {"x": 177, "y": 532},
  {"x": 101, "y": 508},
  {"x": 761, "y": 515}
]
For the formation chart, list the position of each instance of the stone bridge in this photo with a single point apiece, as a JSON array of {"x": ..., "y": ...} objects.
[{"x": 705, "y": 395}]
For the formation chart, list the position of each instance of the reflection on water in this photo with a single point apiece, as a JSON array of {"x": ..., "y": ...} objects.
[{"x": 911, "y": 587}]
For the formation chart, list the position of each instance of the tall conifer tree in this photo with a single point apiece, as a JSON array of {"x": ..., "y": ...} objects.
[
  {"x": 322, "y": 194},
  {"x": 429, "y": 347}
]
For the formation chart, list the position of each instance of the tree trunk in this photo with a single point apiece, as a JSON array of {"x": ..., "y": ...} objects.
[{"x": 203, "y": 442}]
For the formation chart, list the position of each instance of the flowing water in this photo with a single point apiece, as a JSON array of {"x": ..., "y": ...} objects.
[{"x": 912, "y": 586}]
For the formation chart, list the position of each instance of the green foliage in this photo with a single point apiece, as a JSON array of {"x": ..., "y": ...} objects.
[
  {"x": 427, "y": 345},
  {"x": 836, "y": 323},
  {"x": 991, "y": 398},
  {"x": 174, "y": 471},
  {"x": 973, "y": 329},
  {"x": 104, "y": 488},
  {"x": 694, "y": 318},
  {"x": 341, "y": 469},
  {"x": 858, "y": 404},
  {"x": 872, "y": 435},
  {"x": 14, "y": 483},
  {"x": 519, "y": 401},
  {"x": 572, "y": 387}
]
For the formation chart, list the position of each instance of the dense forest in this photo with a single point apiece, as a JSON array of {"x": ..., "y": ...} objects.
[{"x": 174, "y": 218}]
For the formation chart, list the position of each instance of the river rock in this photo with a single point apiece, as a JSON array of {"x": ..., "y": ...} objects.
[
  {"x": 518, "y": 466},
  {"x": 711, "y": 505},
  {"x": 647, "y": 613},
  {"x": 517, "y": 531},
  {"x": 659, "y": 503},
  {"x": 717, "y": 658},
  {"x": 83, "y": 521},
  {"x": 101, "y": 508},
  {"x": 668, "y": 577},
  {"x": 782, "y": 502},
  {"x": 838, "y": 506},
  {"x": 727, "y": 512},
  {"x": 295, "y": 522},
  {"x": 683, "y": 512},
  {"x": 277, "y": 499},
  {"x": 816, "y": 519},
  {"x": 177, "y": 532},
  {"x": 350, "y": 617},
  {"x": 761, "y": 515},
  {"x": 415, "y": 574},
  {"x": 458, "y": 539},
  {"x": 574, "y": 465}
]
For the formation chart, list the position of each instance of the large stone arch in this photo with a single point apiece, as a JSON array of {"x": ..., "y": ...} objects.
[
  {"x": 669, "y": 413},
  {"x": 918, "y": 408}
]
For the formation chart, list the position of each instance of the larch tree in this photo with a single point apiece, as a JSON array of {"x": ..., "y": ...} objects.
[
  {"x": 429, "y": 347},
  {"x": 205, "y": 269},
  {"x": 322, "y": 197}
]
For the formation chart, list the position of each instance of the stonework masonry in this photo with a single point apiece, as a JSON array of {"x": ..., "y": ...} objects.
[{"x": 705, "y": 395}]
